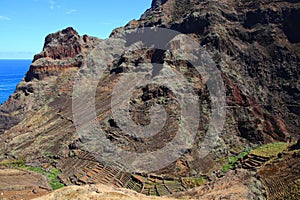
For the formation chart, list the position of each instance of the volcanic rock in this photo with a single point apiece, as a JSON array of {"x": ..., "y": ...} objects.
[{"x": 254, "y": 44}]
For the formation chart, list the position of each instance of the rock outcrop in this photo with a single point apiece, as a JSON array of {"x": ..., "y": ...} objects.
[
  {"x": 62, "y": 50},
  {"x": 157, "y": 3},
  {"x": 255, "y": 45}
]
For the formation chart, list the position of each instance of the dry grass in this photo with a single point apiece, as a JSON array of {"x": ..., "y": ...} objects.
[{"x": 270, "y": 150}]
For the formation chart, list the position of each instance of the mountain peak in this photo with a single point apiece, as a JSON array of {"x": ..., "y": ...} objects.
[
  {"x": 255, "y": 47},
  {"x": 157, "y": 3},
  {"x": 62, "y": 44}
]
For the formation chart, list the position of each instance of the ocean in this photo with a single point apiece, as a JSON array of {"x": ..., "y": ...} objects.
[{"x": 11, "y": 73}]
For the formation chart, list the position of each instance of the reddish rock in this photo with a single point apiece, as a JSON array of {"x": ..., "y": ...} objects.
[{"x": 254, "y": 44}]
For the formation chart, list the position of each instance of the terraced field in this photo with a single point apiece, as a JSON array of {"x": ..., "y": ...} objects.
[
  {"x": 84, "y": 169},
  {"x": 278, "y": 168},
  {"x": 259, "y": 156},
  {"x": 281, "y": 177},
  {"x": 253, "y": 161}
]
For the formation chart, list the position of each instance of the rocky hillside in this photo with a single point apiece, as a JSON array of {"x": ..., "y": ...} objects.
[{"x": 255, "y": 46}]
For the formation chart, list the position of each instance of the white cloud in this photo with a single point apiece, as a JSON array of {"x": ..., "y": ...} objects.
[
  {"x": 70, "y": 11},
  {"x": 4, "y": 18},
  {"x": 53, "y": 4}
]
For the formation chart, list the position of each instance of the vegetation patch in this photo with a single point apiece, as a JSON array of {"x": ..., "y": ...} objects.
[
  {"x": 51, "y": 173},
  {"x": 191, "y": 182},
  {"x": 270, "y": 150},
  {"x": 234, "y": 159}
]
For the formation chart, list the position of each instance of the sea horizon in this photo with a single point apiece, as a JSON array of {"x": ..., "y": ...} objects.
[
  {"x": 12, "y": 71},
  {"x": 15, "y": 58}
]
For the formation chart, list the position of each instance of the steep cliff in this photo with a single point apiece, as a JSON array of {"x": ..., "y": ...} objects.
[{"x": 255, "y": 46}]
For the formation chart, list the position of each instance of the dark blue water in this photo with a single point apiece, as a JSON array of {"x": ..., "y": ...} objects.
[{"x": 11, "y": 73}]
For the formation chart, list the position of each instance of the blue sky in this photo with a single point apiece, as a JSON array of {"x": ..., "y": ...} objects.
[{"x": 24, "y": 24}]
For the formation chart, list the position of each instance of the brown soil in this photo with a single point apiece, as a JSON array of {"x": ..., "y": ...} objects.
[
  {"x": 234, "y": 185},
  {"x": 99, "y": 192},
  {"x": 21, "y": 184},
  {"x": 281, "y": 176}
]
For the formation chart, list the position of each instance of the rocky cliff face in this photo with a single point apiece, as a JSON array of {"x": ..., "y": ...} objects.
[
  {"x": 62, "y": 50},
  {"x": 255, "y": 46}
]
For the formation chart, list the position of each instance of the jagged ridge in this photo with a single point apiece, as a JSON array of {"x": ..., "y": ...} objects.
[{"x": 254, "y": 44}]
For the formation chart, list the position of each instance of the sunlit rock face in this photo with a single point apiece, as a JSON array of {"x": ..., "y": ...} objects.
[{"x": 255, "y": 46}]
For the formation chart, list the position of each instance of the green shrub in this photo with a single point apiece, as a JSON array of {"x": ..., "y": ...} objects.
[
  {"x": 234, "y": 159},
  {"x": 52, "y": 176}
]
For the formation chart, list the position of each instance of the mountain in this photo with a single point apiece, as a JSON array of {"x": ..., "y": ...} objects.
[{"x": 229, "y": 123}]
